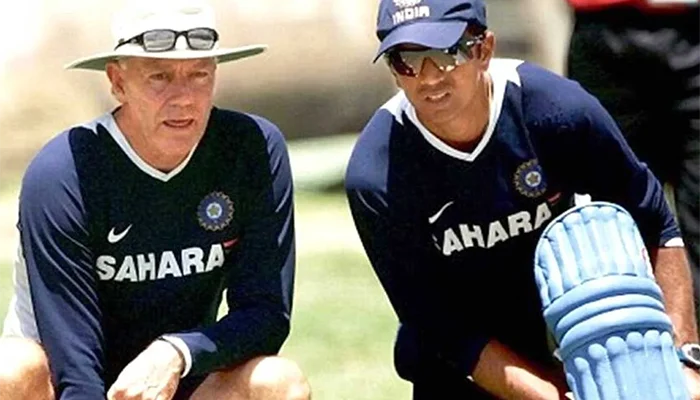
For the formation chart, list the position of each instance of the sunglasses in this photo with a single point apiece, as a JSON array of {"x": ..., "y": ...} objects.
[
  {"x": 410, "y": 62},
  {"x": 165, "y": 39}
]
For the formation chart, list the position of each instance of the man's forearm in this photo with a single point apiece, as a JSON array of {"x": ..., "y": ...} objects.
[
  {"x": 673, "y": 276},
  {"x": 238, "y": 336},
  {"x": 506, "y": 375}
]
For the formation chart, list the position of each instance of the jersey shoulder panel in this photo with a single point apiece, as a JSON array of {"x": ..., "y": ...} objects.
[
  {"x": 270, "y": 131},
  {"x": 54, "y": 167},
  {"x": 368, "y": 164},
  {"x": 248, "y": 131},
  {"x": 55, "y": 185},
  {"x": 552, "y": 100},
  {"x": 74, "y": 167}
]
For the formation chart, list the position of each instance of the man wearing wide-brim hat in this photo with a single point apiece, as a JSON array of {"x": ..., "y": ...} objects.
[{"x": 134, "y": 225}]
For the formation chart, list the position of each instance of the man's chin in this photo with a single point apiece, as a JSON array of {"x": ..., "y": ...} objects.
[{"x": 178, "y": 140}]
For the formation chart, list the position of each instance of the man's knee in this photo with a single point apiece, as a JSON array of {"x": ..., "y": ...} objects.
[
  {"x": 278, "y": 378},
  {"x": 262, "y": 378},
  {"x": 24, "y": 371}
]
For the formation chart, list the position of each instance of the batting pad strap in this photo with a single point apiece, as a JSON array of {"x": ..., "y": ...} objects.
[{"x": 182, "y": 348}]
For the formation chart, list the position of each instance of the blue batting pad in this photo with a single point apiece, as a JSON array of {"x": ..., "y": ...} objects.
[{"x": 604, "y": 308}]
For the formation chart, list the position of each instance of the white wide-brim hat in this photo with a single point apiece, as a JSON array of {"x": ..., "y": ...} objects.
[{"x": 180, "y": 15}]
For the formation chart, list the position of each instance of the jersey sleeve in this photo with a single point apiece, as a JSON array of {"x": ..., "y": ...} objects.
[
  {"x": 583, "y": 147},
  {"x": 398, "y": 253},
  {"x": 55, "y": 244},
  {"x": 260, "y": 291}
]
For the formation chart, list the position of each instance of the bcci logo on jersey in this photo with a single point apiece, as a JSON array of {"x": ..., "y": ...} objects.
[
  {"x": 215, "y": 211},
  {"x": 408, "y": 10},
  {"x": 529, "y": 180}
]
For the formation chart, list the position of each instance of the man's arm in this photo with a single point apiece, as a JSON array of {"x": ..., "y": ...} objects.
[
  {"x": 604, "y": 166},
  {"x": 672, "y": 273},
  {"x": 260, "y": 289},
  {"x": 54, "y": 241},
  {"x": 506, "y": 375},
  {"x": 587, "y": 153}
]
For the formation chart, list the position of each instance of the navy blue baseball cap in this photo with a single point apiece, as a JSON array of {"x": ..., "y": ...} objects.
[{"x": 437, "y": 24}]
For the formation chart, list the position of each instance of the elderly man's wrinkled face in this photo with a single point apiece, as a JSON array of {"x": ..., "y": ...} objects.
[{"x": 165, "y": 104}]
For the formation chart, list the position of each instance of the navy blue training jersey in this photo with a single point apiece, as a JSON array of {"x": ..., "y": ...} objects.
[
  {"x": 115, "y": 253},
  {"x": 451, "y": 234}
]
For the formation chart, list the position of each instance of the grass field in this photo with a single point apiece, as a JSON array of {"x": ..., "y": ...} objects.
[{"x": 342, "y": 325}]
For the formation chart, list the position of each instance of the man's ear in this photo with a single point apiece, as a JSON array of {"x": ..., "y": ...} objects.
[
  {"x": 487, "y": 49},
  {"x": 115, "y": 73}
]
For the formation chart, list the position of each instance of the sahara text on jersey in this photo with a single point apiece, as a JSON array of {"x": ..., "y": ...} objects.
[
  {"x": 149, "y": 267},
  {"x": 473, "y": 235}
]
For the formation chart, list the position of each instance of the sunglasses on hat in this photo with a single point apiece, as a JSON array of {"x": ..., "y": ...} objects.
[
  {"x": 409, "y": 62},
  {"x": 165, "y": 39}
]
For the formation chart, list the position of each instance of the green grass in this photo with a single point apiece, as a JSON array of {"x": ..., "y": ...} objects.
[
  {"x": 342, "y": 325},
  {"x": 342, "y": 329}
]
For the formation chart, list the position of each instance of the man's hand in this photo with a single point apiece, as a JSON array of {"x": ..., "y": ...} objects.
[
  {"x": 507, "y": 375},
  {"x": 152, "y": 375},
  {"x": 692, "y": 379}
]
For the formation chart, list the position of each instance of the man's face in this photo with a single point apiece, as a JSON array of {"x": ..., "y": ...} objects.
[
  {"x": 439, "y": 96},
  {"x": 166, "y": 102}
]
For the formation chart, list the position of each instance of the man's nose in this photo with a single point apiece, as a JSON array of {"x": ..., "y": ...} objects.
[
  {"x": 181, "y": 91},
  {"x": 430, "y": 73}
]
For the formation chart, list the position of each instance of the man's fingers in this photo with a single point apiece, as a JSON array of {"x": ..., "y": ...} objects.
[
  {"x": 114, "y": 394},
  {"x": 123, "y": 394},
  {"x": 152, "y": 375},
  {"x": 141, "y": 392},
  {"x": 165, "y": 395},
  {"x": 159, "y": 393},
  {"x": 138, "y": 392}
]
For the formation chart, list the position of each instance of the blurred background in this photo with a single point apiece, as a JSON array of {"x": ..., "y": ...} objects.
[{"x": 317, "y": 83}]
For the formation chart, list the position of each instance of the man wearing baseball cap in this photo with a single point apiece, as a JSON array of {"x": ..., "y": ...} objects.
[
  {"x": 134, "y": 225},
  {"x": 451, "y": 184}
]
